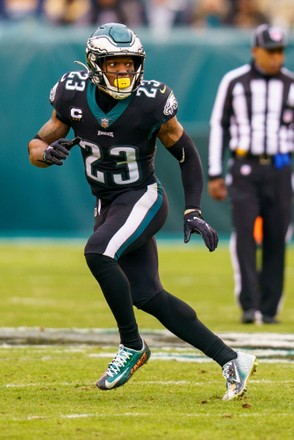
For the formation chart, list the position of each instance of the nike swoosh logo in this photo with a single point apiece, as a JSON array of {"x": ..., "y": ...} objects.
[
  {"x": 237, "y": 375},
  {"x": 162, "y": 90},
  {"x": 183, "y": 156},
  {"x": 110, "y": 385}
]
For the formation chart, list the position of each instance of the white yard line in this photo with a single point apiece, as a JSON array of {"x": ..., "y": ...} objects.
[
  {"x": 129, "y": 414},
  {"x": 139, "y": 382},
  {"x": 156, "y": 338}
]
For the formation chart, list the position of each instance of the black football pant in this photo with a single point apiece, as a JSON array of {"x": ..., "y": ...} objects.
[
  {"x": 122, "y": 256},
  {"x": 259, "y": 190}
]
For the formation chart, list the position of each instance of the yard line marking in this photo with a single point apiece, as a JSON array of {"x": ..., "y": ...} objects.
[
  {"x": 156, "y": 338},
  {"x": 129, "y": 414},
  {"x": 138, "y": 382},
  {"x": 264, "y": 356},
  {"x": 42, "y": 384}
]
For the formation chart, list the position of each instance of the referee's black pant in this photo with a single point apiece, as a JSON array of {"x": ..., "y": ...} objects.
[{"x": 258, "y": 189}]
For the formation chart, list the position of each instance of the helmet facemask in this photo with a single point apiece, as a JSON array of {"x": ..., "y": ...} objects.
[
  {"x": 110, "y": 41},
  {"x": 124, "y": 83}
]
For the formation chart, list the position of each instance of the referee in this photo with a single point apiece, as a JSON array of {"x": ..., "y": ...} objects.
[{"x": 253, "y": 115}]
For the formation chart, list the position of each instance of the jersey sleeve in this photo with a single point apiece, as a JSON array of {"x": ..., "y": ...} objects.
[
  {"x": 167, "y": 104},
  {"x": 159, "y": 103},
  {"x": 56, "y": 100},
  {"x": 69, "y": 91}
]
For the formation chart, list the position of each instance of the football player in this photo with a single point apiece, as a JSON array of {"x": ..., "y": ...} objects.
[{"x": 117, "y": 117}]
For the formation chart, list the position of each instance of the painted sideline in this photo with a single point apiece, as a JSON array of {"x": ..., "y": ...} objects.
[{"x": 156, "y": 338}]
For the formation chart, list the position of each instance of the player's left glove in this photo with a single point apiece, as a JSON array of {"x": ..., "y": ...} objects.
[{"x": 194, "y": 223}]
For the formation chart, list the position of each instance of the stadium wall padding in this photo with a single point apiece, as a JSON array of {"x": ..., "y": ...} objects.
[{"x": 57, "y": 200}]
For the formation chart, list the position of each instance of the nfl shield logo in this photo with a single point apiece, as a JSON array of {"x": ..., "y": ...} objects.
[
  {"x": 276, "y": 34},
  {"x": 104, "y": 122}
]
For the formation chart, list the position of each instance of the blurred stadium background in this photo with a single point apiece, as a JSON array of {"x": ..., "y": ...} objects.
[{"x": 36, "y": 49}]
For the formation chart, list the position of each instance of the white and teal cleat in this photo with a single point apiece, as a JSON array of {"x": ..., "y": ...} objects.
[{"x": 237, "y": 373}]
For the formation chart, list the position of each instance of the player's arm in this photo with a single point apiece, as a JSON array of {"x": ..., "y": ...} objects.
[
  {"x": 170, "y": 132},
  {"x": 51, "y": 131},
  {"x": 181, "y": 146}
]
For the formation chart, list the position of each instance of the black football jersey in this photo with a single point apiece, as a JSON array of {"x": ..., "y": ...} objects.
[{"x": 118, "y": 147}]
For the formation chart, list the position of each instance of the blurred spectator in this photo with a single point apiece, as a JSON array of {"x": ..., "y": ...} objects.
[
  {"x": 21, "y": 9},
  {"x": 281, "y": 16},
  {"x": 129, "y": 12},
  {"x": 3, "y": 10},
  {"x": 210, "y": 13},
  {"x": 159, "y": 15},
  {"x": 67, "y": 12},
  {"x": 245, "y": 14},
  {"x": 162, "y": 15},
  {"x": 96, "y": 12}
]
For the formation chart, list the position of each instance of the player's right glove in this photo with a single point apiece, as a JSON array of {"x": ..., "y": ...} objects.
[
  {"x": 194, "y": 223},
  {"x": 58, "y": 151}
]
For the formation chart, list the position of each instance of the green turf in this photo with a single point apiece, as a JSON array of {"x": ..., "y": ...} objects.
[
  {"x": 49, "y": 285},
  {"x": 49, "y": 392}
]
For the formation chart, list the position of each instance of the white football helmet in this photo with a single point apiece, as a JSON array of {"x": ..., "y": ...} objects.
[{"x": 110, "y": 40}]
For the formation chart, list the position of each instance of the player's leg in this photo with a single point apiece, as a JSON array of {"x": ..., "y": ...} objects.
[
  {"x": 178, "y": 317},
  {"x": 181, "y": 319},
  {"x": 141, "y": 268},
  {"x": 121, "y": 227}
]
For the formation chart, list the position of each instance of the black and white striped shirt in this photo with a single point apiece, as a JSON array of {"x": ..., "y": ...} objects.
[{"x": 253, "y": 113}]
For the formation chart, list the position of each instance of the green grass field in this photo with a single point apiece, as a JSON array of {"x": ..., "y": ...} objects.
[{"x": 48, "y": 392}]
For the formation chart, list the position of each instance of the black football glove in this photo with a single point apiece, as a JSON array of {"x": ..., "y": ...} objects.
[
  {"x": 58, "y": 151},
  {"x": 194, "y": 223}
]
